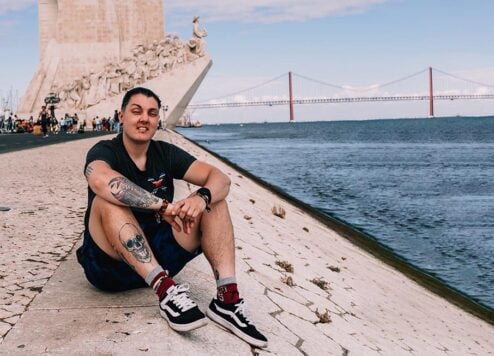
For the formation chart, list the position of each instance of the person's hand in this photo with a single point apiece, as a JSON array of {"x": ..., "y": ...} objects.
[{"x": 189, "y": 210}]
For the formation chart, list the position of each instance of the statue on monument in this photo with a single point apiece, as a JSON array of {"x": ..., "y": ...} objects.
[
  {"x": 152, "y": 60},
  {"x": 102, "y": 86},
  {"x": 84, "y": 90},
  {"x": 129, "y": 72},
  {"x": 92, "y": 95},
  {"x": 196, "y": 44},
  {"x": 164, "y": 55},
  {"x": 141, "y": 60},
  {"x": 145, "y": 63},
  {"x": 115, "y": 78},
  {"x": 73, "y": 90}
]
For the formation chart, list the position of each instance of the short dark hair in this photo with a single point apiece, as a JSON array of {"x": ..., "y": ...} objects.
[{"x": 139, "y": 90}]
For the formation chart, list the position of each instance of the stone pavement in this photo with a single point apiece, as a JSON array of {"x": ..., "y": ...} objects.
[{"x": 310, "y": 290}]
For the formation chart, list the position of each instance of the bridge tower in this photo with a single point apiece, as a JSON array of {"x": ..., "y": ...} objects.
[
  {"x": 431, "y": 95},
  {"x": 292, "y": 115}
]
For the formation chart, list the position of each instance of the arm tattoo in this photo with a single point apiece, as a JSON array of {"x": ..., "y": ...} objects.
[
  {"x": 130, "y": 193},
  {"x": 136, "y": 244}
]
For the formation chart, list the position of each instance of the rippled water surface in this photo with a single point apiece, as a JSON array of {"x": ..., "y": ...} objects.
[{"x": 424, "y": 187}]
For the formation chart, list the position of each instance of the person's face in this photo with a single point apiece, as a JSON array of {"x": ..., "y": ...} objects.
[{"x": 140, "y": 118}]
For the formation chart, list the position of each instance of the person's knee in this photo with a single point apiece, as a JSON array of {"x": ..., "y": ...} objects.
[
  {"x": 105, "y": 209},
  {"x": 221, "y": 205}
]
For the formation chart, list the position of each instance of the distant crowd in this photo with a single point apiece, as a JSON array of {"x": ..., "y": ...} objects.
[{"x": 46, "y": 124}]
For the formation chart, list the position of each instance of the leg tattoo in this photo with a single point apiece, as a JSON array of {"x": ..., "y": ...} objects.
[{"x": 135, "y": 243}]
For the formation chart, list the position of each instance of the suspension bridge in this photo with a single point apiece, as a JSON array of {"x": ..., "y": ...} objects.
[{"x": 229, "y": 101}]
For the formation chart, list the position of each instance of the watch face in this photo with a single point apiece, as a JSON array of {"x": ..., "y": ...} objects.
[{"x": 205, "y": 192}]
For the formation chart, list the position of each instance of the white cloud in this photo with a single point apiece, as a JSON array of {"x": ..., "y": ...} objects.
[
  {"x": 265, "y": 11},
  {"x": 253, "y": 11},
  {"x": 9, "y": 5}
]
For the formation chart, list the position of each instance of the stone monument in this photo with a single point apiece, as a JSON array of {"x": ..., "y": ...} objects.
[{"x": 92, "y": 51}]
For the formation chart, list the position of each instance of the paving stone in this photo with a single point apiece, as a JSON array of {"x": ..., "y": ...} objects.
[
  {"x": 292, "y": 307},
  {"x": 4, "y": 328}
]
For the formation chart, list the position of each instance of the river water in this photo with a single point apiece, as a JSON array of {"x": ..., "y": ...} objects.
[{"x": 423, "y": 187}]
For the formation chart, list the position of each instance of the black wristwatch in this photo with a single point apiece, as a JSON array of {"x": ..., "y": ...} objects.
[{"x": 205, "y": 194}]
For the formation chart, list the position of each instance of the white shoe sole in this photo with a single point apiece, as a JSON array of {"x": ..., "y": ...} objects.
[
  {"x": 184, "y": 327},
  {"x": 229, "y": 326}
]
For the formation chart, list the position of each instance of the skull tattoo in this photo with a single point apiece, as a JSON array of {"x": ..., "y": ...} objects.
[{"x": 137, "y": 246}]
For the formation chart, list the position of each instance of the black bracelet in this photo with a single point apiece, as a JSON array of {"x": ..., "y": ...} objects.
[
  {"x": 161, "y": 210},
  {"x": 205, "y": 194}
]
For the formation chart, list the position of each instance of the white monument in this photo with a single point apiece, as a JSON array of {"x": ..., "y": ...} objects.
[{"x": 91, "y": 52}]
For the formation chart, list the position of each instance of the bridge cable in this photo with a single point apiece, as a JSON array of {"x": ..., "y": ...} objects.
[
  {"x": 318, "y": 81},
  {"x": 355, "y": 89},
  {"x": 402, "y": 79},
  {"x": 464, "y": 79},
  {"x": 243, "y": 90}
]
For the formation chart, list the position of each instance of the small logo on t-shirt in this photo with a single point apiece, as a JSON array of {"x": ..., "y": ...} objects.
[{"x": 158, "y": 184}]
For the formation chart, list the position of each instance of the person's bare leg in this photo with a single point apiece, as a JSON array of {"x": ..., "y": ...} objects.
[
  {"x": 116, "y": 231},
  {"x": 215, "y": 236},
  {"x": 217, "y": 242}
]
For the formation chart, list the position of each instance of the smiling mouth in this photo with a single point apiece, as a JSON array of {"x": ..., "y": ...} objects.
[{"x": 142, "y": 129}]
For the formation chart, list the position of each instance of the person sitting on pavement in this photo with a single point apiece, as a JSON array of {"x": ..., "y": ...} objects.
[{"x": 135, "y": 235}]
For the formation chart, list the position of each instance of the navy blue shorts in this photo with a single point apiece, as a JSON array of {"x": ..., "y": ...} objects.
[{"x": 108, "y": 274}]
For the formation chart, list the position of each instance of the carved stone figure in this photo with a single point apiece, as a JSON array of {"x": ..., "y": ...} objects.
[
  {"x": 142, "y": 70},
  {"x": 152, "y": 60},
  {"x": 191, "y": 50},
  {"x": 102, "y": 86},
  {"x": 180, "y": 52},
  {"x": 84, "y": 90},
  {"x": 198, "y": 33},
  {"x": 92, "y": 95},
  {"x": 74, "y": 97},
  {"x": 165, "y": 56},
  {"x": 62, "y": 95},
  {"x": 115, "y": 78},
  {"x": 129, "y": 73}
]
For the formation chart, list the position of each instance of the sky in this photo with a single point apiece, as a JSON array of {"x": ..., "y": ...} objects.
[{"x": 358, "y": 45}]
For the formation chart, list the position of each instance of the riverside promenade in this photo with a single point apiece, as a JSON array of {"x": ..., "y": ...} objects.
[{"x": 310, "y": 290}]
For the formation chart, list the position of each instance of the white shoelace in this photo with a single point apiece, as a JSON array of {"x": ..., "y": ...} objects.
[
  {"x": 242, "y": 309},
  {"x": 177, "y": 294}
]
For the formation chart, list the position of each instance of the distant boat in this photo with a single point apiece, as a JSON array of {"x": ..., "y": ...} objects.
[{"x": 197, "y": 124}]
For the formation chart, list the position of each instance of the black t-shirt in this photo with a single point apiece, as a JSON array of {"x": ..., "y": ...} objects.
[{"x": 164, "y": 162}]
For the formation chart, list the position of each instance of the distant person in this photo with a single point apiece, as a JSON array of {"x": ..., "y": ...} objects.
[
  {"x": 54, "y": 124},
  {"x": 116, "y": 122},
  {"x": 98, "y": 123},
  {"x": 136, "y": 237},
  {"x": 63, "y": 123},
  {"x": 75, "y": 123},
  {"x": 45, "y": 120},
  {"x": 10, "y": 123}
]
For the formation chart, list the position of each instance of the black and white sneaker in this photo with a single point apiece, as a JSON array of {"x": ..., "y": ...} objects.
[
  {"x": 180, "y": 311},
  {"x": 234, "y": 318}
]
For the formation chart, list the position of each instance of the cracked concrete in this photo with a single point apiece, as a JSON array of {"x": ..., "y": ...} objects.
[{"x": 373, "y": 309}]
